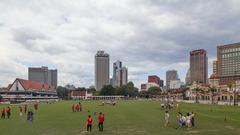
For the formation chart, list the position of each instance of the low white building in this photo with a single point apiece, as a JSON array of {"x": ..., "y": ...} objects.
[
  {"x": 175, "y": 84},
  {"x": 146, "y": 86}
]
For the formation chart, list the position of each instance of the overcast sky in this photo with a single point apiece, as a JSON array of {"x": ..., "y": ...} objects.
[{"x": 148, "y": 36}]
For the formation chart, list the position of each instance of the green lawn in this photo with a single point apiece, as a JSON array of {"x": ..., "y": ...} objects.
[{"x": 127, "y": 118}]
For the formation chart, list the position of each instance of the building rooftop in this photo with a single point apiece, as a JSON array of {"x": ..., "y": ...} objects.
[
  {"x": 31, "y": 85},
  {"x": 101, "y": 54}
]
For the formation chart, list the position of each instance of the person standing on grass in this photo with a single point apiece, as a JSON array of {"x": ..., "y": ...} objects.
[
  {"x": 100, "y": 121},
  {"x": 73, "y": 108},
  {"x": 167, "y": 116},
  {"x": 20, "y": 110},
  {"x": 89, "y": 123},
  {"x": 30, "y": 116},
  {"x": 8, "y": 112},
  {"x": 80, "y": 106},
  {"x": 192, "y": 119},
  {"x": 76, "y": 108},
  {"x": 188, "y": 120},
  {"x": 25, "y": 108},
  {"x": 3, "y": 113},
  {"x": 36, "y": 106}
]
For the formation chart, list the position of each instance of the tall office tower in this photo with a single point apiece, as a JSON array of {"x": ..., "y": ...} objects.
[
  {"x": 116, "y": 66},
  {"x": 161, "y": 83},
  {"x": 199, "y": 66},
  {"x": 101, "y": 69},
  {"x": 170, "y": 75},
  {"x": 228, "y": 57},
  {"x": 124, "y": 76},
  {"x": 188, "y": 78},
  {"x": 43, "y": 75},
  {"x": 215, "y": 66},
  {"x": 154, "y": 79},
  {"x": 121, "y": 76}
]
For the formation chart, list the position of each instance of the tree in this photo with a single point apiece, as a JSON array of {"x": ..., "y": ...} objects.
[
  {"x": 91, "y": 90},
  {"x": 154, "y": 90},
  {"x": 62, "y": 92},
  {"x": 108, "y": 90},
  {"x": 212, "y": 90},
  {"x": 131, "y": 91},
  {"x": 81, "y": 89},
  {"x": 70, "y": 87},
  {"x": 130, "y": 84},
  {"x": 144, "y": 94}
]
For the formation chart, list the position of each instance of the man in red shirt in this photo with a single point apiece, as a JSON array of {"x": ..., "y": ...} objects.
[
  {"x": 3, "y": 113},
  {"x": 100, "y": 121},
  {"x": 89, "y": 123},
  {"x": 8, "y": 112}
]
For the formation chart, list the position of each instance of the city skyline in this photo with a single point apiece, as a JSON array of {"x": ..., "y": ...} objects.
[{"x": 68, "y": 38}]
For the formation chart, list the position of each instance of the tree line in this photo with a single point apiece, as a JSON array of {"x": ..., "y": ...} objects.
[{"x": 128, "y": 90}]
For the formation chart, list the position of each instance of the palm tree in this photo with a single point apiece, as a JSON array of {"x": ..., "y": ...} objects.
[{"x": 212, "y": 90}]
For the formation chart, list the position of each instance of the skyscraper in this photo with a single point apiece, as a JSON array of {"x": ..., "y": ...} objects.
[
  {"x": 199, "y": 66},
  {"x": 116, "y": 66},
  {"x": 43, "y": 75},
  {"x": 228, "y": 63},
  {"x": 188, "y": 78},
  {"x": 215, "y": 66},
  {"x": 161, "y": 83},
  {"x": 101, "y": 69},
  {"x": 121, "y": 76},
  {"x": 171, "y": 75}
]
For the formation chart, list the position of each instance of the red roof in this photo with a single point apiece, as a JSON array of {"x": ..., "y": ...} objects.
[
  {"x": 78, "y": 93},
  {"x": 31, "y": 85},
  {"x": 214, "y": 76}
]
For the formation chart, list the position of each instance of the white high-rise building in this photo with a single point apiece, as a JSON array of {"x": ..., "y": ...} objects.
[{"x": 101, "y": 69}]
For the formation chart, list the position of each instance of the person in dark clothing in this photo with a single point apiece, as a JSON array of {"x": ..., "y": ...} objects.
[{"x": 30, "y": 116}]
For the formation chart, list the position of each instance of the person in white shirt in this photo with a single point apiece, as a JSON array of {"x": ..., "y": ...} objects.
[
  {"x": 167, "y": 116},
  {"x": 188, "y": 120}
]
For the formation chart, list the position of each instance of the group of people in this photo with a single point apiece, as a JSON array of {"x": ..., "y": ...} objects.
[
  {"x": 168, "y": 105},
  {"x": 112, "y": 102},
  {"x": 77, "y": 107},
  {"x": 183, "y": 121},
  {"x": 24, "y": 109},
  {"x": 186, "y": 121},
  {"x": 101, "y": 118},
  {"x": 5, "y": 111}
]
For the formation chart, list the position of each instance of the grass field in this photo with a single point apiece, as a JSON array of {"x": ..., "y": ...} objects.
[{"x": 127, "y": 118}]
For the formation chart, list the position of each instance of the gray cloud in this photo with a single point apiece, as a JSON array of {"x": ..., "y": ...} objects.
[{"x": 147, "y": 35}]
